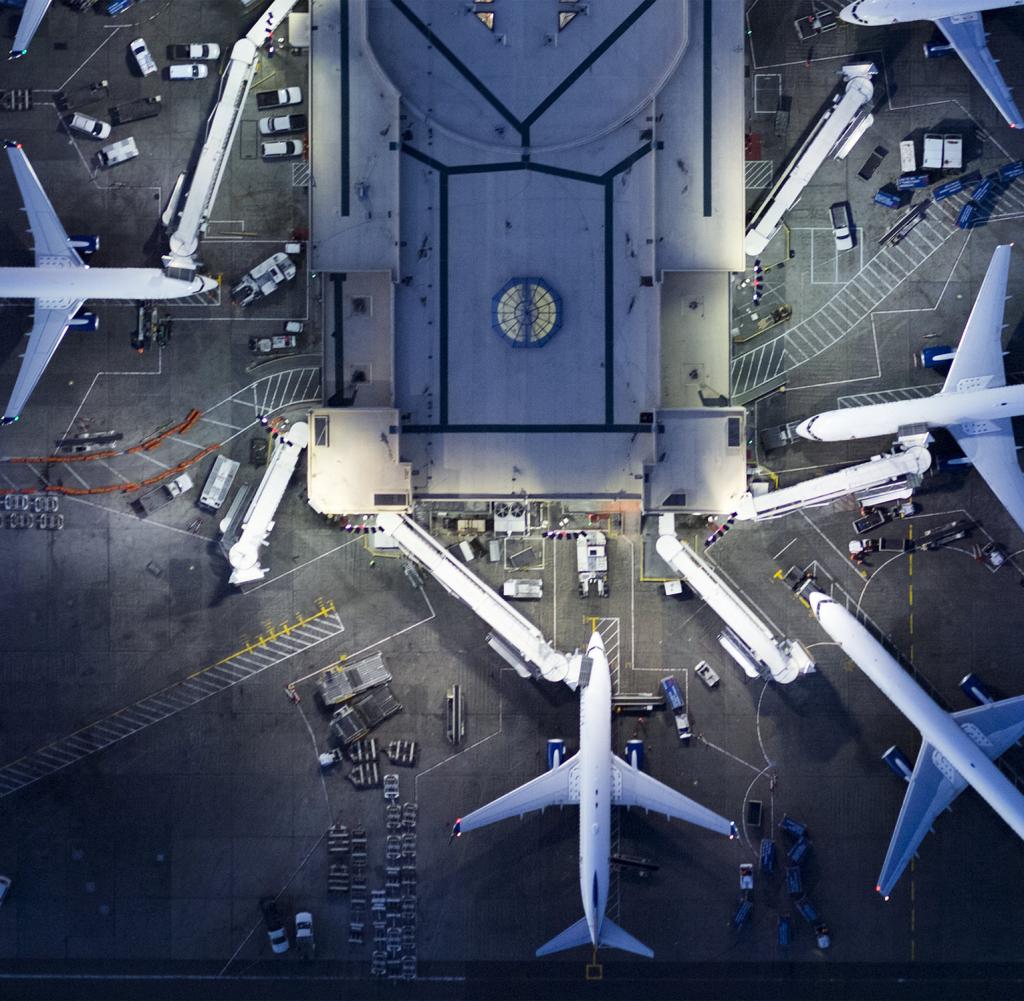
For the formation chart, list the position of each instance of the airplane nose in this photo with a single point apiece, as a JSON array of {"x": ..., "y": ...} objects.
[
  {"x": 816, "y": 600},
  {"x": 209, "y": 284}
]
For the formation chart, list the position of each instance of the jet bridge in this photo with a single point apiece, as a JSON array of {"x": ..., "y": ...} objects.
[
  {"x": 746, "y": 638},
  {"x": 514, "y": 637},
  {"x": 220, "y": 133},
  {"x": 896, "y": 470},
  {"x": 244, "y": 555}
]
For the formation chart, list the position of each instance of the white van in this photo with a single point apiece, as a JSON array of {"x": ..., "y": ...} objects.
[
  {"x": 282, "y": 148},
  {"x": 218, "y": 483},
  {"x": 188, "y": 71},
  {"x": 145, "y": 61},
  {"x": 123, "y": 149}
]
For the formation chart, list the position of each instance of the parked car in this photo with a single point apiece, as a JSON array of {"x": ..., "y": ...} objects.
[
  {"x": 304, "y": 933},
  {"x": 841, "y": 231},
  {"x": 146, "y": 63},
  {"x": 282, "y": 148},
  {"x": 272, "y": 126},
  {"x": 278, "y": 98},
  {"x": 91, "y": 127},
  {"x": 275, "y": 926},
  {"x": 194, "y": 50},
  {"x": 188, "y": 71}
]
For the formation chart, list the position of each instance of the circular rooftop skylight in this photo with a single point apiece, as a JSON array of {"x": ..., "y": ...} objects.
[{"x": 526, "y": 312}]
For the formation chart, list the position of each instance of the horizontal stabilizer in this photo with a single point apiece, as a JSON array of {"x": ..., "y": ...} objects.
[
  {"x": 613, "y": 937},
  {"x": 574, "y": 935},
  {"x": 994, "y": 727}
]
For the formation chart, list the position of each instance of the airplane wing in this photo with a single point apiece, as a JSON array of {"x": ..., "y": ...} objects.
[
  {"x": 30, "y": 18},
  {"x": 966, "y": 33},
  {"x": 632, "y": 787},
  {"x": 48, "y": 328},
  {"x": 52, "y": 246},
  {"x": 990, "y": 447},
  {"x": 930, "y": 792},
  {"x": 995, "y": 727},
  {"x": 557, "y": 787},
  {"x": 979, "y": 357}
]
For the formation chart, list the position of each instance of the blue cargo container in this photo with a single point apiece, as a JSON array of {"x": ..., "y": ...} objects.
[
  {"x": 791, "y": 826},
  {"x": 673, "y": 694},
  {"x": 807, "y": 909},
  {"x": 785, "y": 929},
  {"x": 799, "y": 850},
  {"x": 908, "y": 181},
  {"x": 966, "y": 217},
  {"x": 742, "y": 913},
  {"x": 890, "y": 201},
  {"x": 1008, "y": 171},
  {"x": 794, "y": 880},
  {"x": 767, "y": 855}
]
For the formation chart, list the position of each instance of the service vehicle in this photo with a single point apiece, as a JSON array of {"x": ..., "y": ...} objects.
[
  {"x": 263, "y": 279},
  {"x": 746, "y": 875},
  {"x": 91, "y": 127},
  {"x": 218, "y": 483},
  {"x": 842, "y": 232},
  {"x": 162, "y": 495},
  {"x": 304, "y": 934},
  {"x": 677, "y": 703},
  {"x": 188, "y": 71},
  {"x": 134, "y": 111},
  {"x": 908, "y": 156},
  {"x": 704, "y": 671},
  {"x": 523, "y": 589},
  {"x": 271, "y": 126},
  {"x": 822, "y": 936},
  {"x": 282, "y": 149},
  {"x": 780, "y": 435},
  {"x": 275, "y": 926},
  {"x": 145, "y": 61},
  {"x": 345, "y": 681},
  {"x": 194, "y": 50},
  {"x": 278, "y": 98},
  {"x": 592, "y": 563},
  {"x": 269, "y": 345},
  {"x": 123, "y": 149}
]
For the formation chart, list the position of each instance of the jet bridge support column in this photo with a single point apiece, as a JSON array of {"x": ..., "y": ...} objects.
[
  {"x": 515, "y": 638},
  {"x": 746, "y": 638}
]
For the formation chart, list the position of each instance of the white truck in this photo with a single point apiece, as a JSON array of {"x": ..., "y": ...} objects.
[
  {"x": 263, "y": 279},
  {"x": 162, "y": 495},
  {"x": 592, "y": 563}
]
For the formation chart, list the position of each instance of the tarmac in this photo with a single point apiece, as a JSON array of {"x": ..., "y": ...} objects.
[{"x": 138, "y": 869}]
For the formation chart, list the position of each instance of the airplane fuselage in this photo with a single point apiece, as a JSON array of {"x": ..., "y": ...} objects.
[
  {"x": 595, "y": 789},
  {"x": 941, "y": 730},
  {"x": 941, "y": 410},
  {"x": 68, "y": 284},
  {"x": 866, "y": 12}
]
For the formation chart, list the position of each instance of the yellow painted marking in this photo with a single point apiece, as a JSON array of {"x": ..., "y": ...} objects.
[
  {"x": 592, "y": 619},
  {"x": 911, "y": 595},
  {"x": 910, "y": 621}
]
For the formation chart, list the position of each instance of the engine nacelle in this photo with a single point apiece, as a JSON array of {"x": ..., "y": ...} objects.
[
  {"x": 635, "y": 753},
  {"x": 556, "y": 752},
  {"x": 84, "y": 322},
  {"x": 899, "y": 763},
  {"x": 974, "y": 688}
]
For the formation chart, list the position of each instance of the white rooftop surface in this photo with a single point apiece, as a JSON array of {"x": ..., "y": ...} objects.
[
  {"x": 366, "y": 239},
  {"x": 533, "y": 153}
]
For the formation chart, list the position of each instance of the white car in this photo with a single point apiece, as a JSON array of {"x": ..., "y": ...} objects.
[
  {"x": 147, "y": 64},
  {"x": 91, "y": 127},
  {"x": 194, "y": 50},
  {"x": 282, "y": 148},
  {"x": 283, "y": 123},
  {"x": 839, "y": 215},
  {"x": 5, "y": 888},
  {"x": 188, "y": 71},
  {"x": 304, "y": 933}
]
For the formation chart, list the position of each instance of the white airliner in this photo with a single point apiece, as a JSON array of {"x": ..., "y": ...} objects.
[
  {"x": 60, "y": 283},
  {"x": 595, "y": 779},
  {"x": 31, "y": 16},
  {"x": 975, "y": 404},
  {"x": 960, "y": 21},
  {"x": 957, "y": 749}
]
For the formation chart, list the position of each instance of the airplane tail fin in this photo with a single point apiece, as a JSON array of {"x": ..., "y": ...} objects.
[
  {"x": 615, "y": 937},
  {"x": 612, "y": 937},
  {"x": 576, "y": 934}
]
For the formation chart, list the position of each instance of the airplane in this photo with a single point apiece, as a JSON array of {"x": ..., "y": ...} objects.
[
  {"x": 974, "y": 404},
  {"x": 960, "y": 21},
  {"x": 612, "y": 781},
  {"x": 31, "y": 16},
  {"x": 957, "y": 749},
  {"x": 60, "y": 282}
]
